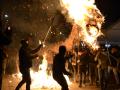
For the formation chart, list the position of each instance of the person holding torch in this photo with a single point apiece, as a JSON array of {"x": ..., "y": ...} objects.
[{"x": 26, "y": 54}]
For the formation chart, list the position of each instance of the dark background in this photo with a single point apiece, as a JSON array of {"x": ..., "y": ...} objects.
[{"x": 110, "y": 9}]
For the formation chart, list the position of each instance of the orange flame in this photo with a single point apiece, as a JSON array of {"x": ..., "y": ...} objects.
[
  {"x": 41, "y": 79},
  {"x": 86, "y": 16}
]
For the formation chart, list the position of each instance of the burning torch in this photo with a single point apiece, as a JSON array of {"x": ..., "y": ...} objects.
[{"x": 47, "y": 31}]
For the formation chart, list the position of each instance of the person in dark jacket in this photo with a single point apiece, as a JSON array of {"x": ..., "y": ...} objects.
[
  {"x": 26, "y": 54},
  {"x": 114, "y": 57},
  {"x": 59, "y": 68},
  {"x": 102, "y": 67}
]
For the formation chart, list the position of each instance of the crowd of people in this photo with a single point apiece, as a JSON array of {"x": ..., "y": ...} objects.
[
  {"x": 86, "y": 67},
  {"x": 100, "y": 67}
]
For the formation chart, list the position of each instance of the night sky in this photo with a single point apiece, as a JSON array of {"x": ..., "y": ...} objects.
[{"x": 110, "y": 9}]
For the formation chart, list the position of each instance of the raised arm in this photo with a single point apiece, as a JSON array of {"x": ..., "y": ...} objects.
[{"x": 36, "y": 50}]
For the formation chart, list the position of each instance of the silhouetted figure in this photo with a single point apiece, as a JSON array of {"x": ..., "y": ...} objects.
[
  {"x": 69, "y": 62},
  {"x": 5, "y": 39},
  {"x": 92, "y": 68},
  {"x": 114, "y": 57},
  {"x": 83, "y": 67},
  {"x": 2, "y": 56},
  {"x": 59, "y": 68},
  {"x": 26, "y": 54},
  {"x": 103, "y": 63}
]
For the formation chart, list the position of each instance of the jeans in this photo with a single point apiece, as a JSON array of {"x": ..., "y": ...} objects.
[
  {"x": 103, "y": 78},
  {"x": 25, "y": 79}
]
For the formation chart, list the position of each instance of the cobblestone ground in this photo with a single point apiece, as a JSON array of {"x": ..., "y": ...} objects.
[{"x": 10, "y": 82}]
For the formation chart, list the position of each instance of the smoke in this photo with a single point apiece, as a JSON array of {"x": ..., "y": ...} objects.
[{"x": 70, "y": 40}]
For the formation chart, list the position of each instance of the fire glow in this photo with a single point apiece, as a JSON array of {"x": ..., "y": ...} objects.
[
  {"x": 41, "y": 78},
  {"x": 85, "y": 15},
  {"x": 87, "y": 19}
]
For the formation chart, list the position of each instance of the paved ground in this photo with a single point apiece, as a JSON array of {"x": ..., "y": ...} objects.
[{"x": 9, "y": 83}]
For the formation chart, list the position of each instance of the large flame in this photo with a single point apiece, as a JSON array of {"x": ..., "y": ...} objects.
[
  {"x": 85, "y": 15},
  {"x": 41, "y": 78}
]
